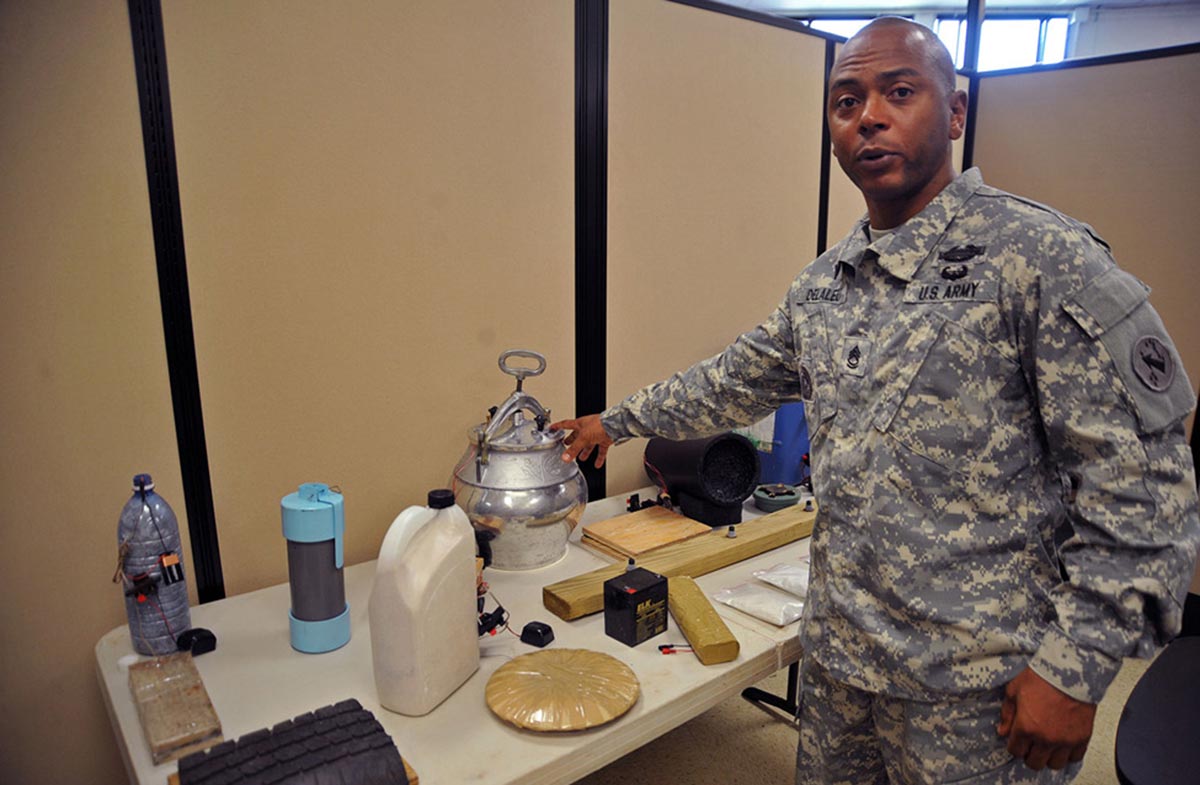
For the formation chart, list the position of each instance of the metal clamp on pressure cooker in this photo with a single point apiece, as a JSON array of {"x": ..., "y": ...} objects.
[{"x": 512, "y": 481}]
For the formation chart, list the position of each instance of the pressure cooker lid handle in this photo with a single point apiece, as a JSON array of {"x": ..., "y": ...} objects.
[{"x": 522, "y": 373}]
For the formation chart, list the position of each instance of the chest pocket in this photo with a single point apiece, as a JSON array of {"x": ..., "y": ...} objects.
[
  {"x": 817, "y": 380},
  {"x": 958, "y": 401}
]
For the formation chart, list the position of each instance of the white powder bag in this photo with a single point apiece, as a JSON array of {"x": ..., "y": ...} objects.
[
  {"x": 763, "y": 602},
  {"x": 792, "y": 578}
]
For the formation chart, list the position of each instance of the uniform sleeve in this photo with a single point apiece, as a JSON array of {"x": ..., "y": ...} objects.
[
  {"x": 1113, "y": 396},
  {"x": 742, "y": 384}
]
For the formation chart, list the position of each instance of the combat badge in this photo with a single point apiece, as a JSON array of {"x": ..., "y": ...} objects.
[
  {"x": 1153, "y": 364},
  {"x": 962, "y": 253}
]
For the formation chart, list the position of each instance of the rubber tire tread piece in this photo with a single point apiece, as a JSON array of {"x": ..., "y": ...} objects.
[{"x": 339, "y": 744}]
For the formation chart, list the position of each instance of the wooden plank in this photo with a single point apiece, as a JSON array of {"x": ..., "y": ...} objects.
[
  {"x": 584, "y": 594},
  {"x": 707, "y": 632},
  {"x": 635, "y": 533}
]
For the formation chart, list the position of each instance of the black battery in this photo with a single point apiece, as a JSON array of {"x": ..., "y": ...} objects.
[{"x": 635, "y": 606}]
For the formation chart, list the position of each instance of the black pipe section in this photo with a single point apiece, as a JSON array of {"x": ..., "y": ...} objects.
[
  {"x": 158, "y": 139},
  {"x": 708, "y": 478}
]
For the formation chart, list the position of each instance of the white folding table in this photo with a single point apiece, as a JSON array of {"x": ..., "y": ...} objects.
[{"x": 255, "y": 679}]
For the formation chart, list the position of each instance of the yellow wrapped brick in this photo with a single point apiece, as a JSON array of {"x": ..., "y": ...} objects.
[{"x": 707, "y": 633}]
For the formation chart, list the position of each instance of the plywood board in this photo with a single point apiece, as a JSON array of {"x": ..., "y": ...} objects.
[
  {"x": 584, "y": 594},
  {"x": 603, "y": 550},
  {"x": 636, "y": 533}
]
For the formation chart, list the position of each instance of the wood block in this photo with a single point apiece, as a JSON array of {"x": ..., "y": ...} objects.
[
  {"x": 635, "y": 533},
  {"x": 584, "y": 594},
  {"x": 707, "y": 632},
  {"x": 174, "y": 708}
]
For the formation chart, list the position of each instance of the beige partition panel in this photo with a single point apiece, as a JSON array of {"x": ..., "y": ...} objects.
[
  {"x": 846, "y": 204},
  {"x": 1115, "y": 146},
  {"x": 714, "y": 169},
  {"x": 377, "y": 200},
  {"x": 85, "y": 402}
]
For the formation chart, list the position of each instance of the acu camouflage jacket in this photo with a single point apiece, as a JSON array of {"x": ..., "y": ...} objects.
[{"x": 996, "y": 418}]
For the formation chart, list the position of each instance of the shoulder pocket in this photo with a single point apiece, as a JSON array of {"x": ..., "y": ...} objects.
[{"x": 1114, "y": 309}]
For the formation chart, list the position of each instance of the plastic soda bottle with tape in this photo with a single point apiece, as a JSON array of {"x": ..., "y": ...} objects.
[{"x": 150, "y": 571}]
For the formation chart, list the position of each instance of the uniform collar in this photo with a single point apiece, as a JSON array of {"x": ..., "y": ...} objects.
[{"x": 902, "y": 251}]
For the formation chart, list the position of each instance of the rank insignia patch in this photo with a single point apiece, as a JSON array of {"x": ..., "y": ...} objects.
[
  {"x": 1153, "y": 363},
  {"x": 856, "y": 352}
]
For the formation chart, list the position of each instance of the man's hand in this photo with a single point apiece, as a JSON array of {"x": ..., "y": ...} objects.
[
  {"x": 587, "y": 435},
  {"x": 1044, "y": 726}
]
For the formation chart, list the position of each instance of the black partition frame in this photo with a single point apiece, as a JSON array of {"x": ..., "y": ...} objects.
[
  {"x": 158, "y": 140},
  {"x": 591, "y": 194}
]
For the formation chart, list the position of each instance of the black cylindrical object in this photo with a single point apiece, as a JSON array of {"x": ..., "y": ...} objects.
[
  {"x": 317, "y": 584},
  {"x": 709, "y": 478}
]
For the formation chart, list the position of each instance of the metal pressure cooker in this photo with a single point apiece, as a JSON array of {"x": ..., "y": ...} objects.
[{"x": 522, "y": 498}]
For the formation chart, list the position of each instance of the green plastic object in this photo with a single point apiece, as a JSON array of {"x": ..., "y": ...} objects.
[{"x": 775, "y": 496}]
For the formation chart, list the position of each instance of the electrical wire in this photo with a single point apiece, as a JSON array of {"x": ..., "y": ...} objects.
[
  {"x": 142, "y": 634},
  {"x": 154, "y": 520},
  {"x": 507, "y": 615},
  {"x": 158, "y": 608},
  {"x": 662, "y": 481}
]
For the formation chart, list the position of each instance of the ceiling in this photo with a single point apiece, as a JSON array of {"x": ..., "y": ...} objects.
[{"x": 859, "y": 7}]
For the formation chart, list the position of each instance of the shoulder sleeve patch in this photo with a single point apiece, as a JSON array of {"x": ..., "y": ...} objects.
[{"x": 1114, "y": 310}]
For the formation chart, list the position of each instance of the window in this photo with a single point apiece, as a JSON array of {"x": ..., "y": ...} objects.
[
  {"x": 1008, "y": 42},
  {"x": 842, "y": 27}
]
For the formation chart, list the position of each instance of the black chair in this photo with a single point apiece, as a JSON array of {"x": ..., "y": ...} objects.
[{"x": 1158, "y": 735}]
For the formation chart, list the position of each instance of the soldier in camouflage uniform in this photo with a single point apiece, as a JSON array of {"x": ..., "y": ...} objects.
[{"x": 1006, "y": 499}]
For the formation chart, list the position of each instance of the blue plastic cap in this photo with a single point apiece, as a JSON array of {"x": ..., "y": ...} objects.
[
  {"x": 143, "y": 482},
  {"x": 315, "y": 514},
  {"x": 318, "y": 637},
  {"x": 311, "y": 491}
]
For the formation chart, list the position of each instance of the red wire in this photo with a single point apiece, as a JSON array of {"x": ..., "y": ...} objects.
[
  {"x": 158, "y": 608},
  {"x": 662, "y": 482}
]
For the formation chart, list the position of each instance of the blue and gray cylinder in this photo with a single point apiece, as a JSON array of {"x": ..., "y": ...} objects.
[
  {"x": 156, "y": 597},
  {"x": 314, "y": 524}
]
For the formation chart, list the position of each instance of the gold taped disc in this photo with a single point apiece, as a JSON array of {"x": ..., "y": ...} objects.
[{"x": 562, "y": 690}]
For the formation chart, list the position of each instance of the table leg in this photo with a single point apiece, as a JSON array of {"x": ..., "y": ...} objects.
[{"x": 788, "y": 703}]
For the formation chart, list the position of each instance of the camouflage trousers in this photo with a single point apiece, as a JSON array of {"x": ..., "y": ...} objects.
[{"x": 852, "y": 737}]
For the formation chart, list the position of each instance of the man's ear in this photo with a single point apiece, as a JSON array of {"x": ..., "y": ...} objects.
[{"x": 958, "y": 113}]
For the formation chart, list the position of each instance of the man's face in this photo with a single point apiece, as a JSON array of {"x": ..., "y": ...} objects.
[{"x": 891, "y": 121}]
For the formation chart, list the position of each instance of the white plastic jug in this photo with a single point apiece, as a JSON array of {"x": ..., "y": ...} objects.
[{"x": 423, "y": 611}]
